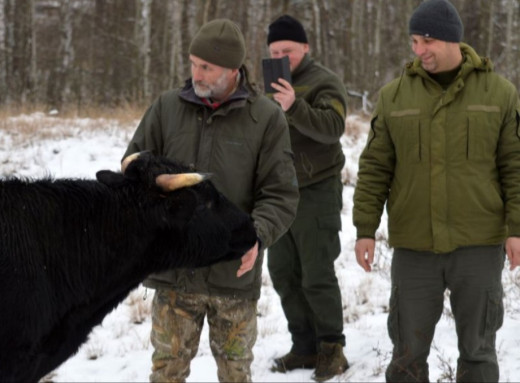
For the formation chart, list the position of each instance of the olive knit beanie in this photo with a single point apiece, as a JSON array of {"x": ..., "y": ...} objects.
[
  {"x": 438, "y": 19},
  {"x": 286, "y": 28},
  {"x": 220, "y": 42}
]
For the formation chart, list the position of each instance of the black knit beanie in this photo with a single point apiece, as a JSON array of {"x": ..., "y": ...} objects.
[
  {"x": 286, "y": 28},
  {"x": 220, "y": 42},
  {"x": 438, "y": 19}
]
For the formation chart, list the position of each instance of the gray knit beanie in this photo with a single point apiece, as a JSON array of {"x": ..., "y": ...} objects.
[
  {"x": 220, "y": 42},
  {"x": 438, "y": 19}
]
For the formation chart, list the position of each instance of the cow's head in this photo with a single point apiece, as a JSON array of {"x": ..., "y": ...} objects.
[{"x": 194, "y": 220}]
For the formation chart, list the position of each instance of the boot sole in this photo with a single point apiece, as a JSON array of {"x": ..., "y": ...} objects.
[{"x": 328, "y": 377}]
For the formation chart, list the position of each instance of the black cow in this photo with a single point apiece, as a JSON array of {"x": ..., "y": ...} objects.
[{"x": 71, "y": 250}]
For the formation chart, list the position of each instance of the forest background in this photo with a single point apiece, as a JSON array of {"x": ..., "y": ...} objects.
[{"x": 78, "y": 54}]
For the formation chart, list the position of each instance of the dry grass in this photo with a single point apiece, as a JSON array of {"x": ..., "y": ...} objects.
[
  {"x": 140, "y": 308},
  {"x": 27, "y": 125},
  {"x": 123, "y": 113},
  {"x": 356, "y": 125}
]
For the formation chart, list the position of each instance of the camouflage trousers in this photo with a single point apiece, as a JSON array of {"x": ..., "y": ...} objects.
[{"x": 177, "y": 321}]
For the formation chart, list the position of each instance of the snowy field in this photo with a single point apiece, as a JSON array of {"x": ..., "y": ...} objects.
[{"x": 119, "y": 350}]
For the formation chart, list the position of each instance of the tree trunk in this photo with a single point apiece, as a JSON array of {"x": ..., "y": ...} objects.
[
  {"x": 66, "y": 51},
  {"x": 491, "y": 28},
  {"x": 177, "y": 54},
  {"x": 3, "y": 55},
  {"x": 145, "y": 48}
]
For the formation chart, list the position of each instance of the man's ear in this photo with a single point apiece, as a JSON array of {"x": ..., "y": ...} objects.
[{"x": 110, "y": 178}]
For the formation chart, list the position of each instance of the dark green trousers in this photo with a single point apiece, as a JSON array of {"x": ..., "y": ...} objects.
[
  {"x": 301, "y": 265},
  {"x": 419, "y": 280}
]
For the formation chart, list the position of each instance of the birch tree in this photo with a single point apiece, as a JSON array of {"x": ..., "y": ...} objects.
[
  {"x": 3, "y": 55},
  {"x": 114, "y": 51},
  {"x": 145, "y": 42}
]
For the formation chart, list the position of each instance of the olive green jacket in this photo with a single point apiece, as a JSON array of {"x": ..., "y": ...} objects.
[
  {"x": 445, "y": 162},
  {"x": 245, "y": 145},
  {"x": 316, "y": 122}
]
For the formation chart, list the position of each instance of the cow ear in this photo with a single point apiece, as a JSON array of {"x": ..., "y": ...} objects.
[{"x": 110, "y": 178}]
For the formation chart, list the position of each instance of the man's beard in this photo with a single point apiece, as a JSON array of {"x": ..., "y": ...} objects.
[{"x": 215, "y": 90}]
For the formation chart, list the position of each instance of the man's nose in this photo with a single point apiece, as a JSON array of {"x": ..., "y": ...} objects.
[{"x": 196, "y": 74}]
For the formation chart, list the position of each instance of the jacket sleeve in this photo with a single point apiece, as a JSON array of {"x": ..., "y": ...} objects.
[
  {"x": 323, "y": 119},
  {"x": 508, "y": 162},
  {"x": 276, "y": 187},
  {"x": 148, "y": 136},
  {"x": 376, "y": 170}
]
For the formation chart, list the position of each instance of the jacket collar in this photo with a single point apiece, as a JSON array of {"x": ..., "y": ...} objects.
[{"x": 304, "y": 64}]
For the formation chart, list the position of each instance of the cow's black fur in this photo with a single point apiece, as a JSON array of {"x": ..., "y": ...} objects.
[{"x": 71, "y": 250}]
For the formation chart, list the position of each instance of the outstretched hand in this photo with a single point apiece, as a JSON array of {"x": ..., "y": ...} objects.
[{"x": 248, "y": 260}]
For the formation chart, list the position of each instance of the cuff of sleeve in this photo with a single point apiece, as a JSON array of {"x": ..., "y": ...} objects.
[
  {"x": 366, "y": 232},
  {"x": 513, "y": 230}
]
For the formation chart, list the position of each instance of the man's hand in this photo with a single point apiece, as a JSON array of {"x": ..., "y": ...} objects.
[
  {"x": 365, "y": 252},
  {"x": 248, "y": 260},
  {"x": 513, "y": 252},
  {"x": 285, "y": 95}
]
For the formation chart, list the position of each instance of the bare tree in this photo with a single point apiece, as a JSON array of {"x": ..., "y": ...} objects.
[
  {"x": 66, "y": 51},
  {"x": 490, "y": 29},
  {"x": 510, "y": 6},
  {"x": 18, "y": 47},
  {"x": 115, "y": 51},
  {"x": 3, "y": 55},
  {"x": 176, "y": 52},
  {"x": 145, "y": 43}
]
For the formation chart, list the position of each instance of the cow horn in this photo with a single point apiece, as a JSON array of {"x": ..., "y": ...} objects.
[
  {"x": 127, "y": 161},
  {"x": 170, "y": 182}
]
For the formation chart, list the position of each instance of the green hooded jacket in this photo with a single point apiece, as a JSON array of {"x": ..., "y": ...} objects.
[
  {"x": 245, "y": 145},
  {"x": 316, "y": 122},
  {"x": 445, "y": 162}
]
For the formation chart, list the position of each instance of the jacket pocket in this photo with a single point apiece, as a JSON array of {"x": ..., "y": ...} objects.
[
  {"x": 330, "y": 222},
  {"x": 405, "y": 130},
  {"x": 224, "y": 275},
  {"x": 494, "y": 312},
  {"x": 483, "y": 131}
]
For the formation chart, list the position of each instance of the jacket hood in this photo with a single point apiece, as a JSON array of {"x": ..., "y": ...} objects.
[{"x": 471, "y": 61}]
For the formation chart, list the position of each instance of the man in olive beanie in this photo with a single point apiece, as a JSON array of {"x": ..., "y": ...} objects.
[
  {"x": 301, "y": 263},
  {"x": 218, "y": 124},
  {"x": 443, "y": 157}
]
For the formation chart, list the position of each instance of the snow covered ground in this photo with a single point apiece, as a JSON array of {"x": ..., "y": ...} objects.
[{"x": 119, "y": 349}]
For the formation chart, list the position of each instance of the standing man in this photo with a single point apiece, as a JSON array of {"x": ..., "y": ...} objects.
[
  {"x": 218, "y": 124},
  {"x": 443, "y": 153},
  {"x": 301, "y": 263}
]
